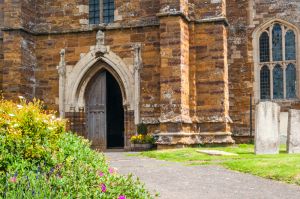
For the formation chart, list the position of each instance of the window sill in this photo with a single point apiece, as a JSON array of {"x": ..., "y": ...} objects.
[
  {"x": 104, "y": 25},
  {"x": 280, "y": 100}
]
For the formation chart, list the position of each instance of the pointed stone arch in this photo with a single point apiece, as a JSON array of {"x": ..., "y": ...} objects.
[{"x": 94, "y": 61}]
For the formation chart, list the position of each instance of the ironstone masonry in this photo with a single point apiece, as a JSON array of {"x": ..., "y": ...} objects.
[{"x": 185, "y": 68}]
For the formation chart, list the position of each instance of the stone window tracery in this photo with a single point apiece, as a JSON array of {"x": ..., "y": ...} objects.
[
  {"x": 101, "y": 11},
  {"x": 277, "y": 62}
]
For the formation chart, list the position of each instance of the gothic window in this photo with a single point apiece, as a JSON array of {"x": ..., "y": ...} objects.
[
  {"x": 290, "y": 46},
  {"x": 277, "y": 42},
  {"x": 277, "y": 82},
  {"x": 108, "y": 11},
  {"x": 94, "y": 12},
  {"x": 291, "y": 81},
  {"x": 277, "y": 62},
  {"x": 265, "y": 82},
  {"x": 101, "y": 11},
  {"x": 264, "y": 47}
]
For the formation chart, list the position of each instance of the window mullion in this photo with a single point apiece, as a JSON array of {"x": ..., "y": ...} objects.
[
  {"x": 271, "y": 60},
  {"x": 271, "y": 81},
  {"x": 283, "y": 59},
  {"x": 283, "y": 43},
  {"x": 101, "y": 10},
  {"x": 284, "y": 80},
  {"x": 270, "y": 43}
]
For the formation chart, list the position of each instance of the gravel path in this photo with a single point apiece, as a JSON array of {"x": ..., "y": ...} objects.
[{"x": 176, "y": 181}]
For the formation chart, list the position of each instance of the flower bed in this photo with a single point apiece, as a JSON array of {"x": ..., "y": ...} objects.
[{"x": 38, "y": 159}]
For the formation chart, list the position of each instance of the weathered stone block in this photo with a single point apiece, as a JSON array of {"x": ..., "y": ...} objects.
[
  {"x": 267, "y": 128},
  {"x": 293, "y": 141}
]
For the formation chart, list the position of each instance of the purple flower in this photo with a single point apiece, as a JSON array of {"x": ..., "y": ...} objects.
[
  {"x": 13, "y": 179},
  {"x": 103, "y": 188},
  {"x": 111, "y": 170},
  {"x": 122, "y": 197},
  {"x": 101, "y": 174}
]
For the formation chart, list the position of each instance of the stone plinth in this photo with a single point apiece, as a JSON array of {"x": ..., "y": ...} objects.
[
  {"x": 293, "y": 141},
  {"x": 267, "y": 128},
  {"x": 182, "y": 139}
]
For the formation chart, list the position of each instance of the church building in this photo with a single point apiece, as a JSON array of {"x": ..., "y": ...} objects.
[{"x": 191, "y": 70}]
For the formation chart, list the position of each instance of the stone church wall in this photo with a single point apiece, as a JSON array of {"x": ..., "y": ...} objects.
[
  {"x": 19, "y": 64},
  {"x": 203, "y": 9},
  {"x": 205, "y": 63},
  {"x": 184, "y": 50},
  {"x": 209, "y": 72},
  {"x": 61, "y": 15},
  {"x": 1, "y": 62},
  {"x": 1, "y": 40},
  {"x": 244, "y": 17}
]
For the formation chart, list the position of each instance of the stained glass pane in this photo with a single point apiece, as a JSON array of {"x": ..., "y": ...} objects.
[
  {"x": 264, "y": 47},
  {"x": 290, "y": 46},
  {"x": 277, "y": 43},
  {"x": 291, "y": 81},
  {"x": 108, "y": 11},
  {"x": 94, "y": 12},
  {"x": 265, "y": 83},
  {"x": 278, "y": 82}
]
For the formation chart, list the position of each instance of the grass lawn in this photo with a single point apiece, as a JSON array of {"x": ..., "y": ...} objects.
[{"x": 282, "y": 167}]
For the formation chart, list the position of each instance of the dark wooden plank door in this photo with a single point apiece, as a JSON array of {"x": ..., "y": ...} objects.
[{"x": 96, "y": 112}]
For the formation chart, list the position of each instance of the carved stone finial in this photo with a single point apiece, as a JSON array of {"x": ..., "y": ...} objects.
[
  {"x": 62, "y": 55},
  {"x": 137, "y": 56},
  {"x": 62, "y": 64}
]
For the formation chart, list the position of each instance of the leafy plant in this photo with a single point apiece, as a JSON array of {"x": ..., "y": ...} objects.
[
  {"x": 27, "y": 133},
  {"x": 39, "y": 159},
  {"x": 142, "y": 129}
]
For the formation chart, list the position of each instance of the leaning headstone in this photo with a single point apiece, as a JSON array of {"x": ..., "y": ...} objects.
[
  {"x": 293, "y": 140},
  {"x": 267, "y": 128}
]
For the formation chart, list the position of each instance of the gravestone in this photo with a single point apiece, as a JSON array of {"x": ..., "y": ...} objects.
[
  {"x": 293, "y": 140},
  {"x": 283, "y": 127},
  {"x": 267, "y": 128}
]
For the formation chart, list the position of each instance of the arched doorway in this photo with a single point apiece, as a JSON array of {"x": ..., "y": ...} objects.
[{"x": 104, "y": 112}]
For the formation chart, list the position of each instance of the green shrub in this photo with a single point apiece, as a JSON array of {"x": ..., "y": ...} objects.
[
  {"x": 27, "y": 133},
  {"x": 142, "y": 129},
  {"x": 40, "y": 160}
]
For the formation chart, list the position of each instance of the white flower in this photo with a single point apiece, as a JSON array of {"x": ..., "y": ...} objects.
[
  {"x": 11, "y": 115},
  {"x": 53, "y": 117},
  {"x": 19, "y": 106},
  {"x": 21, "y": 97}
]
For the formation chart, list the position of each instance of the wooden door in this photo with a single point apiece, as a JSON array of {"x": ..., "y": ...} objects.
[{"x": 96, "y": 111}]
